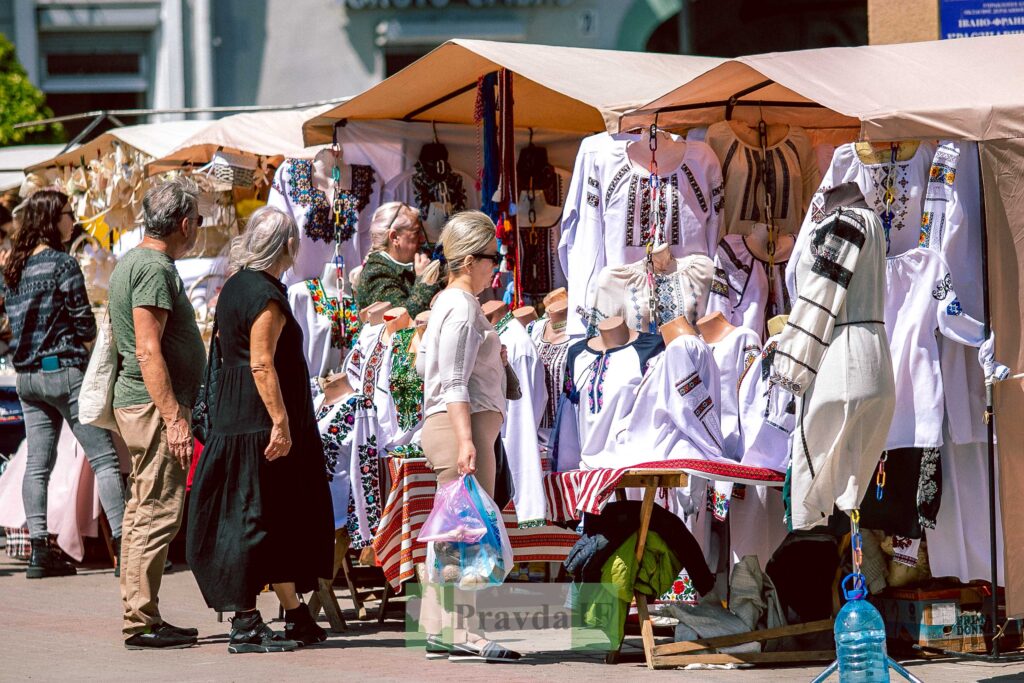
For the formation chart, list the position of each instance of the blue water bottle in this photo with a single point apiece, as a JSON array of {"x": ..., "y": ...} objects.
[{"x": 860, "y": 637}]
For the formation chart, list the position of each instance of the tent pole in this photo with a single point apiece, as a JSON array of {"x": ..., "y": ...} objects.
[
  {"x": 440, "y": 100},
  {"x": 989, "y": 422}
]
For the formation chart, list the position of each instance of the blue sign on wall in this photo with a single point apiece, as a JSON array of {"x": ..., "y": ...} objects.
[{"x": 967, "y": 18}]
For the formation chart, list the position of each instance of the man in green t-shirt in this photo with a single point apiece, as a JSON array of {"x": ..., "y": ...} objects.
[{"x": 162, "y": 365}]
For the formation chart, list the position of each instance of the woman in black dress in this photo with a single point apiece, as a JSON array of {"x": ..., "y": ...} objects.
[{"x": 260, "y": 509}]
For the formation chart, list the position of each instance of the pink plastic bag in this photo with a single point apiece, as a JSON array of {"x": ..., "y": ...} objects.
[{"x": 454, "y": 517}]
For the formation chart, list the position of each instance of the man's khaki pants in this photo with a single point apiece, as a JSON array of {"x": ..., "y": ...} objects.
[{"x": 152, "y": 515}]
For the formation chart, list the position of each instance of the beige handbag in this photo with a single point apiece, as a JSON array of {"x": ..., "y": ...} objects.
[{"x": 96, "y": 399}]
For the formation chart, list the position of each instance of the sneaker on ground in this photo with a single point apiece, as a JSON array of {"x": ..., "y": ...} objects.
[
  {"x": 304, "y": 630},
  {"x": 160, "y": 639},
  {"x": 191, "y": 632},
  {"x": 253, "y": 635},
  {"x": 488, "y": 652}
]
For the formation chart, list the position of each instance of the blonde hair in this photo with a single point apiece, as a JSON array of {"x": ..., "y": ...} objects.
[
  {"x": 391, "y": 216},
  {"x": 264, "y": 240},
  {"x": 466, "y": 233}
]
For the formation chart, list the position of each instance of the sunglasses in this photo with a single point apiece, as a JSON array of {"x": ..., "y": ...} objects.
[
  {"x": 493, "y": 258},
  {"x": 199, "y": 220}
]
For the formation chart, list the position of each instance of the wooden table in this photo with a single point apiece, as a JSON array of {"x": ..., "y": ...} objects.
[{"x": 672, "y": 655}]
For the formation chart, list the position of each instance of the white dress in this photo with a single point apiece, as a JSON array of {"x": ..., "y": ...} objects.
[
  {"x": 624, "y": 291},
  {"x": 363, "y": 363},
  {"x": 835, "y": 334},
  {"x": 767, "y": 414},
  {"x": 733, "y": 355},
  {"x": 436, "y": 199},
  {"x": 325, "y": 322},
  {"x": 740, "y": 289},
  {"x": 600, "y": 387},
  {"x": 294, "y": 192},
  {"x": 609, "y": 215},
  {"x": 793, "y": 179},
  {"x": 519, "y": 433},
  {"x": 920, "y": 300}
]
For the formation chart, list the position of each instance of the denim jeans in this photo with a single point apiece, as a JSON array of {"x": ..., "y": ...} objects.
[{"x": 47, "y": 399}]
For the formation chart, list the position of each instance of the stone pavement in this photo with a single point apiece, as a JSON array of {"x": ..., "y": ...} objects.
[{"x": 68, "y": 629}]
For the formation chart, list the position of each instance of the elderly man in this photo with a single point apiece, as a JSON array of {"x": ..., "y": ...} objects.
[{"x": 162, "y": 365}]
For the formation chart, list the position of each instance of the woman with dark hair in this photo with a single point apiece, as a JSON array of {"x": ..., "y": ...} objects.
[{"x": 53, "y": 329}]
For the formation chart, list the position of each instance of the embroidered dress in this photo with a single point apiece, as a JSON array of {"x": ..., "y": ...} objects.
[
  {"x": 609, "y": 214},
  {"x": 792, "y": 178},
  {"x": 329, "y": 326},
  {"x": 294, "y": 192},
  {"x": 920, "y": 301},
  {"x": 740, "y": 289},
  {"x": 342, "y": 424},
  {"x": 599, "y": 389},
  {"x": 401, "y": 413},
  {"x": 519, "y": 433},
  {"x": 553, "y": 356},
  {"x": 436, "y": 198},
  {"x": 624, "y": 291},
  {"x": 364, "y": 361},
  {"x": 734, "y": 355},
  {"x": 834, "y": 335}
]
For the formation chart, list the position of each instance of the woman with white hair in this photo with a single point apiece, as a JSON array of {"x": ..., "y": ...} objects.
[
  {"x": 395, "y": 271},
  {"x": 465, "y": 385},
  {"x": 260, "y": 509}
]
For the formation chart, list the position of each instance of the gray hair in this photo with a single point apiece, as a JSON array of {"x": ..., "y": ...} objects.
[
  {"x": 264, "y": 240},
  {"x": 165, "y": 205}
]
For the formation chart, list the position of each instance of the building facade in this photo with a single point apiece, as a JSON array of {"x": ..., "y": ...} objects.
[{"x": 167, "y": 54}]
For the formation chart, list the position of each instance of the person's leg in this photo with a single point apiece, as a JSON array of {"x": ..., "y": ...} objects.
[
  {"x": 439, "y": 447},
  {"x": 42, "y": 428},
  {"x": 287, "y": 595},
  {"x": 152, "y": 517},
  {"x": 99, "y": 449}
]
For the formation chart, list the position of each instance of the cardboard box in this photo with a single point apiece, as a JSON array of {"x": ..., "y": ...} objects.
[{"x": 947, "y": 619}]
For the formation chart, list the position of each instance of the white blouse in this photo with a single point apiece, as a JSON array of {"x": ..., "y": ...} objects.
[
  {"x": 733, "y": 355},
  {"x": 460, "y": 357},
  {"x": 740, "y": 289}
]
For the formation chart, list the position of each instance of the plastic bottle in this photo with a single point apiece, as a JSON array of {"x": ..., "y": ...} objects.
[{"x": 860, "y": 641}]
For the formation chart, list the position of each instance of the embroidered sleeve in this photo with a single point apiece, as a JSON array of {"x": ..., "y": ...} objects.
[
  {"x": 457, "y": 349},
  {"x": 952, "y": 321},
  {"x": 834, "y": 249}
]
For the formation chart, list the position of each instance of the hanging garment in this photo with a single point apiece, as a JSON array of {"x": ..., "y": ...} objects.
[
  {"x": 757, "y": 522},
  {"x": 349, "y": 433},
  {"x": 436, "y": 197},
  {"x": 294, "y": 192},
  {"x": 911, "y": 496},
  {"x": 553, "y": 357},
  {"x": 767, "y": 414},
  {"x": 740, "y": 289},
  {"x": 951, "y": 225},
  {"x": 328, "y": 325},
  {"x": 792, "y": 178},
  {"x": 734, "y": 355},
  {"x": 364, "y": 361},
  {"x": 599, "y": 387},
  {"x": 522, "y": 421},
  {"x": 400, "y": 413},
  {"x": 675, "y": 413},
  {"x": 609, "y": 219},
  {"x": 835, "y": 334},
  {"x": 625, "y": 291},
  {"x": 920, "y": 301},
  {"x": 910, "y": 179}
]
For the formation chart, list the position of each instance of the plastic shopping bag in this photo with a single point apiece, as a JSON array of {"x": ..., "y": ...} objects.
[{"x": 467, "y": 544}]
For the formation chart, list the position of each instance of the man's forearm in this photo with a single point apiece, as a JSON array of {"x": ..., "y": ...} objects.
[{"x": 158, "y": 383}]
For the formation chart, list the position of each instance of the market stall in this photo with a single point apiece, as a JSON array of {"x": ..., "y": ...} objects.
[{"x": 966, "y": 92}]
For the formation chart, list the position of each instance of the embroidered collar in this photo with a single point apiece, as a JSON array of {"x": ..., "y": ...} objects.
[
  {"x": 329, "y": 219},
  {"x": 502, "y": 324},
  {"x": 446, "y": 188},
  {"x": 344, "y": 315}
]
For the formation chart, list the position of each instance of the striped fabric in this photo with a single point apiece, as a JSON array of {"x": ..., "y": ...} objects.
[
  {"x": 408, "y": 506},
  {"x": 19, "y": 547}
]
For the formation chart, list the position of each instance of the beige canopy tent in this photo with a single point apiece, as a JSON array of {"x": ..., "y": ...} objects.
[
  {"x": 266, "y": 134},
  {"x": 575, "y": 90},
  {"x": 152, "y": 139},
  {"x": 968, "y": 89}
]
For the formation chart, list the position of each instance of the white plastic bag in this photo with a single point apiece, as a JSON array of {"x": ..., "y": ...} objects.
[{"x": 96, "y": 398}]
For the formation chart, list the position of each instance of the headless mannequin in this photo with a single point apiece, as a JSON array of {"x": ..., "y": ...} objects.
[
  {"x": 329, "y": 281},
  {"x": 612, "y": 334},
  {"x": 545, "y": 215},
  {"x": 396, "y": 319},
  {"x": 757, "y": 243},
  {"x": 669, "y": 156},
  {"x": 749, "y": 135},
  {"x": 662, "y": 259},
  {"x": 336, "y": 388},
  {"x": 776, "y": 324},
  {"x": 525, "y": 314},
  {"x": 557, "y": 313},
  {"x": 844, "y": 196},
  {"x": 494, "y": 311},
  {"x": 554, "y": 295},
  {"x": 323, "y": 168},
  {"x": 374, "y": 313},
  {"x": 881, "y": 152},
  {"x": 677, "y": 328},
  {"x": 714, "y": 327}
]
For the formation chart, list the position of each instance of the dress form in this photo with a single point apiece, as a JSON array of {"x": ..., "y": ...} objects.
[
  {"x": 525, "y": 314},
  {"x": 422, "y": 319},
  {"x": 560, "y": 294},
  {"x": 714, "y": 327},
  {"x": 677, "y": 328},
  {"x": 661, "y": 258},
  {"x": 611, "y": 334},
  {"x": 494, "y": 311},
  {"x": 324, "y": 163},
  {"x": 337, "y": 388},
  {"x": 669, "y": 155},
  {"x": 374, "y": 313},
  {"x": 396, "y": 318},
  {"x": 554, "y": 331},
  {"x": 749, "y": 135}
]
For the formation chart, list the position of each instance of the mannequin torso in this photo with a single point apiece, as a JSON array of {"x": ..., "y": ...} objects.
[
  {"x": 494, "y": 311},
  {"x": 677, "y": 328},
  {"x": 714, "y": 327},
  {"x": 669, "y": 155},
  {"x": 611, "y": 334}
]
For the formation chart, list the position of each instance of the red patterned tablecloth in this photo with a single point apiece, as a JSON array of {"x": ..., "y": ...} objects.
[{"x": 408, "y": 506}]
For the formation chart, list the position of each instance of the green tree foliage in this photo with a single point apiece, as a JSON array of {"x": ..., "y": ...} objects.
[{"x": 21, "y": 101}]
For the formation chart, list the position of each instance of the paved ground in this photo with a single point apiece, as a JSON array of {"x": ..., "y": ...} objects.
[{"x": 67, "y": 629}]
